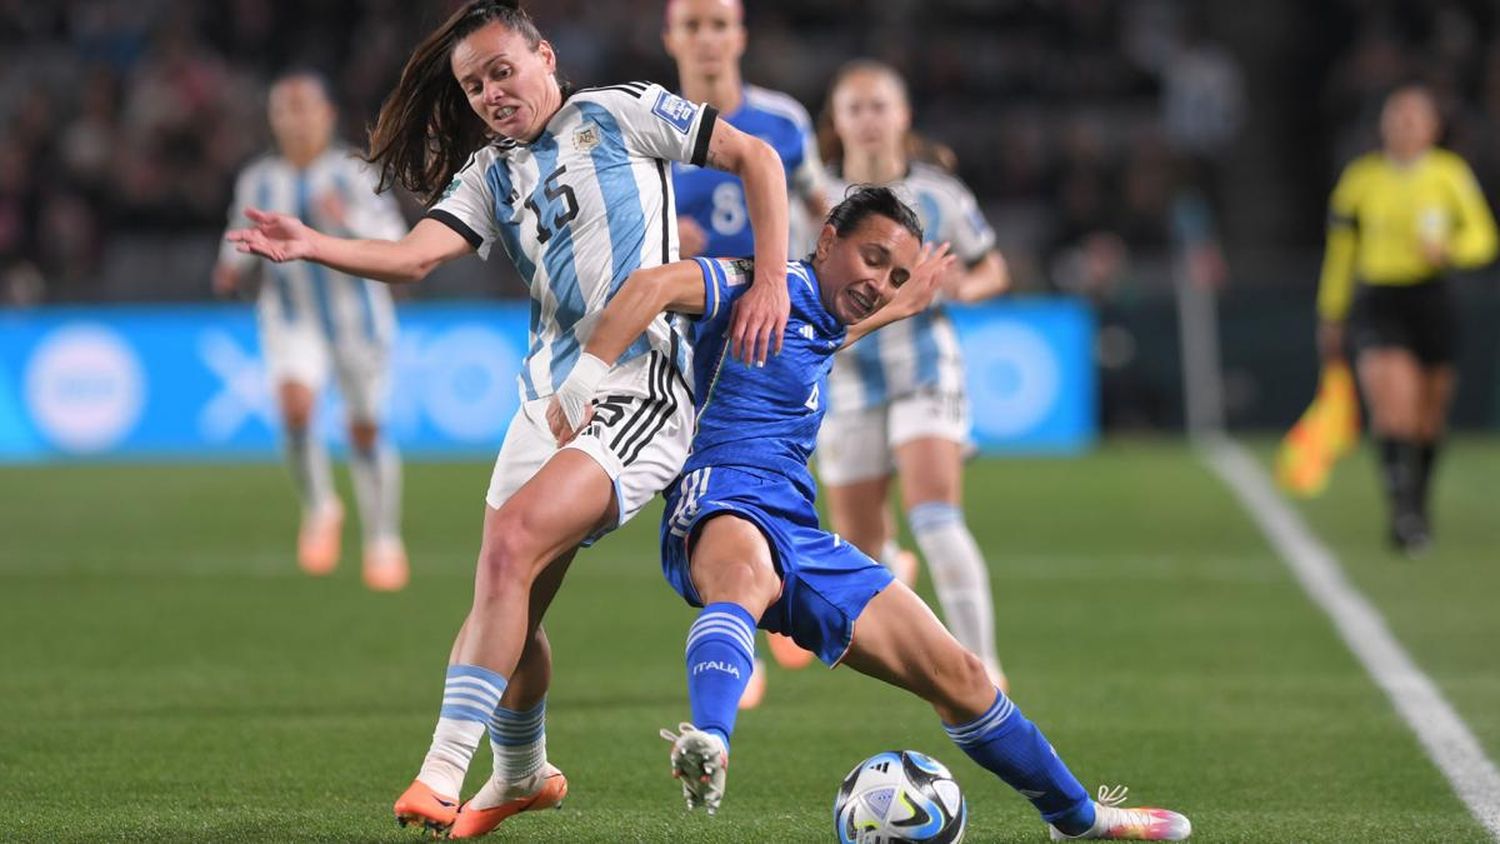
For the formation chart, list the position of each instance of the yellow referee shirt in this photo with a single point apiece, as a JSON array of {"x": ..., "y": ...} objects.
[{"x": 1382, "y": 213}]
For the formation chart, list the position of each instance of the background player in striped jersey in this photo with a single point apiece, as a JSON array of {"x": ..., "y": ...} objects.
[
  {"x": 313, "y": 319},
  {"x": 575, "y": 186},
  {"x": 707, "y": 38},
  {"x": 897, "y": 403},
  {"x": 740, "y": 536}
]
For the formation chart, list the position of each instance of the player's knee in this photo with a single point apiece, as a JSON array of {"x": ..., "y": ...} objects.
[
  {"x": 364, "y": 435},
  {"x": 961, "y": 683},
  {"x": 507, "y": 557},
  {"x": 296, "y": 416},
  {"x": 753, "y": 584}
]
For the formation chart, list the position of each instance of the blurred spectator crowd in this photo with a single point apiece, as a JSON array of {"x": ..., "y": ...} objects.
[
  {"x": 1097, "y": 133},
  {"x": 125, "y": 120}
]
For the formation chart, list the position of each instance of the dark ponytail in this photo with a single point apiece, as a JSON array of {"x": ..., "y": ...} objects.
[
  {"x": 427, "y": 130},
  {"x": 917, "y": 147}
]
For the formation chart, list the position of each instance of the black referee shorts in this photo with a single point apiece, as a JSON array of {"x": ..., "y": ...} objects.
[{"x": 1416, "y": 317}]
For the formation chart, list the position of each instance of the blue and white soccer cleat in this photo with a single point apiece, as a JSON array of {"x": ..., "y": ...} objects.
[{"x": 699, "y": 762}]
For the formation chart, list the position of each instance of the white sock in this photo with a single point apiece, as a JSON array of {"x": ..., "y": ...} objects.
[
  {"x": 377, "y": 488},
  {"x": 311, "y": 472},
  {"x": 471, "y": 695},
  {"x": 959, "y": 576},
  {"x": 447, "y": 761}
]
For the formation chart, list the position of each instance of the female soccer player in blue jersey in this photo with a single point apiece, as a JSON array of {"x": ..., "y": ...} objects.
[
  {"x": 707, "y": 40},
  {"x": 897, "y": 403},
  {"x": 574, "y": 185},
  {"x": 740, "y": 536}
]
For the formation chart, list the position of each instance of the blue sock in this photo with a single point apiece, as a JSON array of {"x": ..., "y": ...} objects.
[
  {"x": 519, "y": 739},
  {"x": 720, "y": 657},
  {"x": 1003, "y": 742}
]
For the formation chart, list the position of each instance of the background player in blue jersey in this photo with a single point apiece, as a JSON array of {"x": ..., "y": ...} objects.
[
  {"x": 313, "y": 321},
  {"x": 575, "y": 187},
  {"x": 897, "y": 403},
  {"x": 740, "y": 536},
  {"x": 707, "y": 38}
]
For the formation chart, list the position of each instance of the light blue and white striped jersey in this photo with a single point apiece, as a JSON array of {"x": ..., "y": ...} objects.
[
  {"x": 579, "y": 209},
  {"x": 335, "y": 194},
  {"x": 922, "y": 352},
  {"x": 716, "y": 200}
]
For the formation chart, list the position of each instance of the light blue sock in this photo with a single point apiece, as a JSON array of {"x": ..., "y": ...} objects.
[
  {"x": 720, "y": 657},
  {"x": 1003, "y": 742}
]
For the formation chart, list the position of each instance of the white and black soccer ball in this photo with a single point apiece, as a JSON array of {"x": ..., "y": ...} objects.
[{"x": 900, "y": 796}]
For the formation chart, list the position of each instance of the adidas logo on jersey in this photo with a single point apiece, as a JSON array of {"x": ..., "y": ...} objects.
[
  {"x": 716, "y": 665},
  {"x": 806, "y": 331}
]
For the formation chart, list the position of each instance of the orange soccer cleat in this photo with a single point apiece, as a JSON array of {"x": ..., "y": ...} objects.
[
  {"x": 318, "y": 540},
  {"x": 788, "y": 654},
  {"x": 385, "y": 567},
  {"x": 473, "y": 822},
  {"x": 422, "y": 806}
]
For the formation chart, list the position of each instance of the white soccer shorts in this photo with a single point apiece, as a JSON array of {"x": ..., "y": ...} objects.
[
  {"x": 860, "y": 445},
  {"x": 301, "y": 353},
  {"x": 640, "y": 435}
]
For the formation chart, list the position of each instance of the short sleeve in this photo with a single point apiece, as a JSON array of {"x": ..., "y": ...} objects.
[
  {"x": 657, "y": 123},
  {"x": 966, "y": 227},
  {"x": 467, "y": 204},
  {"x": 724, "y": 280}
]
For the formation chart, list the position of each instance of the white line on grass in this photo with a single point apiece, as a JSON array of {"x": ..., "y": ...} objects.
[{"x": 1443, "y": 734}]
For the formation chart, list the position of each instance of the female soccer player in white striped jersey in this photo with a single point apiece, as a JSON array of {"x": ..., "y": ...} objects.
[
  {"x": 575, "y": 186},
  {"x": 897, "y": 404},
  {"x": 313, "y": 320}
]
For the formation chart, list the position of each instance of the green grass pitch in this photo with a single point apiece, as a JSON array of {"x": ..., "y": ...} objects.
[{"x": 167, "y": 674}]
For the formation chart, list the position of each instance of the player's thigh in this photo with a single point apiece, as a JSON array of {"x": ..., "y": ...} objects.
[
  {"x": 296, "y": 353},
  {"x": 529, "y": 529},
  {"x": 731, "y": 561},
  {"x": 362, "y": 366},
  {"x": 858, "y": 512},
  {"x": 898, "y": 639},
  {"x": 1391, "y": 378},
  {"x": 931, "y": 469},
  {"x": 1438, "y": 384}
]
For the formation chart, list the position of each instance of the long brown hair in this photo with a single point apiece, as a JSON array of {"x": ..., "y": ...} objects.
[
  {"x": 427, "y": 130},
  {"x": 917, "y": 147}
]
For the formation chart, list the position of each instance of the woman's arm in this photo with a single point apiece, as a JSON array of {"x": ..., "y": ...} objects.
[
  {"x": 988, "y": 278},
  {"x": 760, "y": 315},
  {"x": 281, "y": 237},
  {"x": 913, "y": 297},
  {"x": 647, "y": 293},
  {"x": 1474, "y": 241}
]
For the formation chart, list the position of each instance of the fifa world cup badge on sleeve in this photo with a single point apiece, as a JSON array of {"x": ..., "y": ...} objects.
[{"x": 675, "y": 110}]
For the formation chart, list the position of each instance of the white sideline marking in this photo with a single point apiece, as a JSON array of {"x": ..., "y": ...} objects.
[{"x": 1443, "y": 734}]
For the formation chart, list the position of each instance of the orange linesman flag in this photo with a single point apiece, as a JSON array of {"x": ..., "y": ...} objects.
[{"x": 1328, "y": 430}]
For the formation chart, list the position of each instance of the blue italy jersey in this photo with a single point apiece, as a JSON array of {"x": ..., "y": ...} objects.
[
  {"x": 715, "y": 200},
  {"x": 763, "y": 417}
]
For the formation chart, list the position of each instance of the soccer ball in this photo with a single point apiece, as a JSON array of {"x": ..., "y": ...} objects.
[{"x": 900, "y": 796}]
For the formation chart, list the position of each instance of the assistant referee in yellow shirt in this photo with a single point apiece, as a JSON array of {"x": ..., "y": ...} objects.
[{"x": 1399, "y": 219}]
